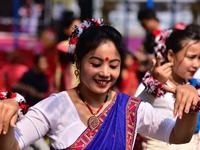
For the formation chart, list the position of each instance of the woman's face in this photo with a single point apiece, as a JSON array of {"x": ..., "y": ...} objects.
[
  {"x": 187, "y": 61},
  {"x": 100, "y": 68}
]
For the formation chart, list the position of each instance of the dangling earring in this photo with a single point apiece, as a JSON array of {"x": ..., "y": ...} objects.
[{"x": 76, "y": 72}]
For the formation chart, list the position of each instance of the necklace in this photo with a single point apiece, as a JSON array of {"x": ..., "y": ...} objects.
[{"x": 93, "y": 121}]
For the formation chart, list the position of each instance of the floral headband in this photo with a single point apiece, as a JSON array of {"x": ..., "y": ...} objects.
[
  {"x": 160, "y": 39},
  {"x": 79, "y": 30}
]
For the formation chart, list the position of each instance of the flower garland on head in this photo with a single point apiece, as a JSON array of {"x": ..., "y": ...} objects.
[
  {"x": 160, "y": 46},
  {"x": 179, "y": 26},
  {"x": 152, "y": 85},
  {"x": 79, "y": 30}
]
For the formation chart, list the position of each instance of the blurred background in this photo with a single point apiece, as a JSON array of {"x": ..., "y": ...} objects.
[{"x": 29, "y": 27}]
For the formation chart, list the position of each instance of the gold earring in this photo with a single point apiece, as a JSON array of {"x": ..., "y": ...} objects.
[{"x": 76, "y": 72}]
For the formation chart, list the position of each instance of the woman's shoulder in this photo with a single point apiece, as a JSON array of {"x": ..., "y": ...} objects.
[{"x": 55, "y": 100}]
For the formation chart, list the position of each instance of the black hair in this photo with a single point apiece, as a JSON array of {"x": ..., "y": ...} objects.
[
  {"x": 176, "y": 39},
  {"x": 149, "y": 43},
  {"x": 147, "y": 13},
  {"x": 67, "y": 19},
  {"x": 92, "y": 37},
  {"x": 37, "y": 58}
]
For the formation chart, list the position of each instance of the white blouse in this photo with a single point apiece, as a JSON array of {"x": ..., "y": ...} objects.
[{"x": 57, "y": 117}]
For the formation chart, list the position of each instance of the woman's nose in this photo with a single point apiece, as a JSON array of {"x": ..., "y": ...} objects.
[
  {"x": 105, "y": 71},
  {"x": 196, "y": 63}
]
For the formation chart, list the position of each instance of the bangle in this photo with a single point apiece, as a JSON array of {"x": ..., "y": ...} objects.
[
  {"x": 152, "y": 85},
  {"x": 23, "y": 106}
]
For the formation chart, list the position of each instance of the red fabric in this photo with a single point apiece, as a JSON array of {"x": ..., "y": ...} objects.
[
  {"x": 10, "y": 73},
  {"x": 130, "y": 83}
]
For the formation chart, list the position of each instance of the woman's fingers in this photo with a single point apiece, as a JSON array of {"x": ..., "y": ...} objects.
[
  {"x": 1, "y": 117},
  {"x": 177, "y": 101},
  {"x": 186, "y": 96},
  {"x": 8, "y": 114},
  {"x": 189, "y": 102},
  {"x": 182, "y": 100},
  {"x": 6, "y": 121},
  {"x": 161, "y": 72},
  {"x": 13, "y": 120}
]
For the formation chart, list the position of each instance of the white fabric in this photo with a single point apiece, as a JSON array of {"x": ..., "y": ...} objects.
[
  {"x": 139, "y": 90},
  {"x": 197, "y": 74},
  {"x": 164, "y": 104},
  {"x": 57, "y": 117}
]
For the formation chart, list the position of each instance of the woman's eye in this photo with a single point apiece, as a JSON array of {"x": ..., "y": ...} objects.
[
  {"x": 114, "y": 67},
  {"x": 96, "y": 65},
  {"x": 191, "y": 57}
]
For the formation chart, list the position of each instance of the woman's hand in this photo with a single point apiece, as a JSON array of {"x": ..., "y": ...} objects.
[
  {"x": 161, "y": 72},
  {"x": 186, "y": 96},
  {"x": 8, "y": 114}
]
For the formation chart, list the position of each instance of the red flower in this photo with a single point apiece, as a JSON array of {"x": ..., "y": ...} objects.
[
  {"x": 24, "y": 107},
  {"x": 13, "y": 95},
  {"x": 2, "y": 96},
  {"x": 73, "y": 40},
  {"x": 156, "y": 32}
]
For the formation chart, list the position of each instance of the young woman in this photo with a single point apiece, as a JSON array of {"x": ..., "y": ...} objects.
[
  {"x": 91, "y": 115},
  {"x": 185, "y": 56},
  {"x": 64, "y": 77}
]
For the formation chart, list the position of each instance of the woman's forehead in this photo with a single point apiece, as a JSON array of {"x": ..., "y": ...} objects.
[
  {"x": 105, "y": 50},
  {"x": 192, "y": 46},
  {"x": 106, "y": 55}
]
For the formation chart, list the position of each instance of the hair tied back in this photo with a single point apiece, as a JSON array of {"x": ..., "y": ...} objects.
[{"x": 79, "y": 30}]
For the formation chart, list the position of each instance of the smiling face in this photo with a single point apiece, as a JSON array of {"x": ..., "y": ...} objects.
[
  {"x": 100, "y": 68},
  {"x": 187, "y": 61}
]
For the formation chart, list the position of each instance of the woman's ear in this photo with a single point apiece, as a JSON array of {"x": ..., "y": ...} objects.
[{"x": 170, "y": 55}]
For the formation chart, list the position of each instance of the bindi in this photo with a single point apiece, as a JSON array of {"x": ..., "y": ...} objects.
[{"x": 107, "y": 59}]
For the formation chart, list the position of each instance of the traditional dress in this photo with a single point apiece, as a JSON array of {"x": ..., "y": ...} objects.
[
  {"x": 165, "y": 106},
  {"x": 57, "y": 118}
]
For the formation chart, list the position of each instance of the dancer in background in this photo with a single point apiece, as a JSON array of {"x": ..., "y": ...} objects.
[
  {"x": 64, "y": 72},
  {"x": 178, "y": 64}
]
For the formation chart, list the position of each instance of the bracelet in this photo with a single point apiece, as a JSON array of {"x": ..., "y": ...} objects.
[
  {"x": 152, "y": 85},
  {"x": 23, "y": 106}
]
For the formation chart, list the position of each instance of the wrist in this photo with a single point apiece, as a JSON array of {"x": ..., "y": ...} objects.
[
  {"x": 152, "y": 85},
  {"x": 23, "y": 106}
]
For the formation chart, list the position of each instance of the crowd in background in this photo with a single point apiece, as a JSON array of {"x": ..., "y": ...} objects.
[{"x": 46, "y": 68}]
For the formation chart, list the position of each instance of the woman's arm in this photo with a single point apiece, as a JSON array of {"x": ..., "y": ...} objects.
[
  {"x": 8, "y": 118},
  {"x": 183, "y": 129},
  {"x": 179, "y": 130},
  {"x": 8, "y": 141},
  {"x": 186, "y": 96}
]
